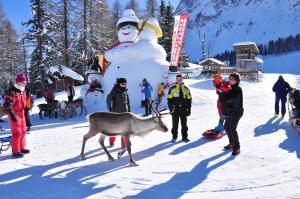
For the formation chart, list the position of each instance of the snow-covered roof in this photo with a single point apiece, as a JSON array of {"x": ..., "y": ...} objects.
[
  {"x": 66, "y": 72},
  {"x": 212, "y": 60},
  {"x": 259, "y": 60},
  {"x": 246, "y": 43}
]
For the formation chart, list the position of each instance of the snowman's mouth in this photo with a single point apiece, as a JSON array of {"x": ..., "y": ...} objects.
[{"x": 126, "y": 33}]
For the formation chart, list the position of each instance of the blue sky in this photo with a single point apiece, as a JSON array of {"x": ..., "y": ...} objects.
[{"x": 19, "y": 10}]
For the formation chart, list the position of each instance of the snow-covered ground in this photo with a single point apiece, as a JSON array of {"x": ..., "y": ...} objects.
[
  {"x": 268, "y": 167},
  {"x": 284, "y": 63}
]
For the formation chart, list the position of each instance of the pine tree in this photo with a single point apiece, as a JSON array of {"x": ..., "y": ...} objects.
[
  {"x": 167, "y": 25},
  {"x": 116, "y": 11},
  {"x": 151, "y": 7},
  {"x": 133, "y": 4},
  {"x": 41, "y": 27}
]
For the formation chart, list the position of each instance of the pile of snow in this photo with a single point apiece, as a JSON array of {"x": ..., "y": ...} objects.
[{"x": 193, "y": 71}]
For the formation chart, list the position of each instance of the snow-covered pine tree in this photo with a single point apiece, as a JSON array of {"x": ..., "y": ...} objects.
[
  {"x": 11, "y": 54},
  {"x": 184, "y": 60},
  {"x": 167, "y": 25},
  {"x": 94, "y": 32},
  {"x": 40, "y": 34},
  {"x": 151, "y": 7}
]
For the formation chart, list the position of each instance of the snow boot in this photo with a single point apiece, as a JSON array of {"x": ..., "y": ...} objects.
[
  {"x": 236, "y": 151},
  {"x": 17, "y": 155},
  {"x": 228, "y": 147},
  {"x": 25, "y": 151},
  {"x": 219, "y": 128},
  {"x": 186, "y": 140},
  {"x": 173, "y": 139}
]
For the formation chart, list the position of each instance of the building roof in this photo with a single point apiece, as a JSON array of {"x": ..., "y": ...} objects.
[
  {"x": 249, "y": 44},
  {"x": 218, "y": 62},
  {"x": 66, "y": 72},
  {"x": 259, "y": 60}
]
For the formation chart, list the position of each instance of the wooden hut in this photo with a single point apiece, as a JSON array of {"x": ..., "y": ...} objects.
[
  {"x": 211, "y": 66},
  {"x": 246, "y": 60}
]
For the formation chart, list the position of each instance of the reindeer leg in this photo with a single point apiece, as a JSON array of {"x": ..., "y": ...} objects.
[
  {"x": 128, "y": 147},
  {"x": 85, "y": 138},
  {"x": 101, "y": 142}
]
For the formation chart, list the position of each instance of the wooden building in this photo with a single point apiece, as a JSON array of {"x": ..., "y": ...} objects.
[
  {"x": 211, "y": 66},
  {"x": 246, "y": 61}
]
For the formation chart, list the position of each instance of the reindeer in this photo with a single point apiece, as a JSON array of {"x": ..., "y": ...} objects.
[{"x": 123, "y": 124}]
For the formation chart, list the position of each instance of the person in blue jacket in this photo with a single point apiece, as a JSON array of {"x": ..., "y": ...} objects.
[
  {"x": 281, "y": 89},
  {"x": 147, "y": 90}
]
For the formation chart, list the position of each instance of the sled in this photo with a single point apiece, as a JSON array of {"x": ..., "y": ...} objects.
[
  {"x": 210, "y": 134},
  {"x": 5, "y": 143}
]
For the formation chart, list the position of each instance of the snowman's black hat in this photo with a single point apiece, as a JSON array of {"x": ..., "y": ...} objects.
[{"x": 120, "y": 25}]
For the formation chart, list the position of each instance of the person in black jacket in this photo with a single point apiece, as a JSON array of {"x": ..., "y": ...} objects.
[
  {"x": 118, "y": 101},
  {"x": 233, "y": 112},
  {"x": 281, "y": 88}
]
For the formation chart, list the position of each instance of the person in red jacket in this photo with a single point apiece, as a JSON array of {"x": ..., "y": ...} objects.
[
  {"x": 15, "y": 103},
  {"x": 221, "y": 87}
]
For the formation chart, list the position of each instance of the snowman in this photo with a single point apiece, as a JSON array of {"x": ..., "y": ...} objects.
[
  {"x": 143, "y": 59},
  {"x": 127, "y": 27},
  {"x": 92, "y": 92}
]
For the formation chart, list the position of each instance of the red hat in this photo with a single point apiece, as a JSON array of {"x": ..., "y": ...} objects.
[{"x": 21, "y": 78}]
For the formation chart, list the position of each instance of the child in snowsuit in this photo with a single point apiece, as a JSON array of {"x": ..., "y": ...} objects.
[
  {"x": 15, "y": 102},
  {"x": 221, "y": 87}
]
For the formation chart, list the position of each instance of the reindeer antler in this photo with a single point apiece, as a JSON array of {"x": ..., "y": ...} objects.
[{"x": 156, "y": 111}]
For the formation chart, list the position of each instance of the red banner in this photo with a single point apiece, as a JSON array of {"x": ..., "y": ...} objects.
[{"x": 180, "y": 24}]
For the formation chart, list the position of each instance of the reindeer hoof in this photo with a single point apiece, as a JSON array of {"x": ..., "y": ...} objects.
[
  {"x": 82, "y": 157},
  {"x": 111, "y": 159},
  {"x": 133, "y": 164}
]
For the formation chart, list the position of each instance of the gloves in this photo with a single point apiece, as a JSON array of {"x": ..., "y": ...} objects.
[
  {"x": 12, "y": 116},
  {"x": 172, "y": 110},
  {"x": 188, "y": 111}
]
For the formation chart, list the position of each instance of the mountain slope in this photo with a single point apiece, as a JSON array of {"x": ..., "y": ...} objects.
[{"x": 227, "y": 21}]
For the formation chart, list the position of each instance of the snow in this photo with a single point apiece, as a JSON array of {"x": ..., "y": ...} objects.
[
  {"x": 245, "y": 43},
  {"x": 66, "y": 72},
  {"x": 285, "y": 63},
  {"x": 268, "y": 167},
  {"x": 259, "y": 60}
]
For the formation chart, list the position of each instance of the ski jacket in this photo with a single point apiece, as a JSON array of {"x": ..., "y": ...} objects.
[
  {"x": 15, "y": 102},
  {"x": 147, "y": 90},
  {"x": 180, "y": 98},
  {"x": 118, "y": 100},
  {"x": 49, "y": 95},
  {"x": 161, "y": 90},
  {"x": 233, "y": 101},
  {"x": 221, "y": 87},
  {"x": 281, "y": 89}
]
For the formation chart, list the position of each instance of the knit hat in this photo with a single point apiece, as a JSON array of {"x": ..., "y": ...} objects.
[
  {"x": 121, "y": 81},
  {"x": 217, "y": 78},
  {"x": 21, "y": 78}
]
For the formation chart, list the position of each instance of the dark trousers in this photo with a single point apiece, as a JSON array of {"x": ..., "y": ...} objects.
[
  {"x": 283, "y": 103},
  {"x": 148, "y": 110},
  {"x": 175, "y": 122},
  {"x": 27, "y": 117},
  {"x": 231, "y": 123},
  {"x": 70, "y": 98}
]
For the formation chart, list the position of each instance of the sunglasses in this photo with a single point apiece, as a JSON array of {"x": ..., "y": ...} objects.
[{"x": 232, "y": 79}]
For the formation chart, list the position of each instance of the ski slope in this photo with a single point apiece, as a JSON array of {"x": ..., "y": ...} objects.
[{"x": 268, "y": 166}]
